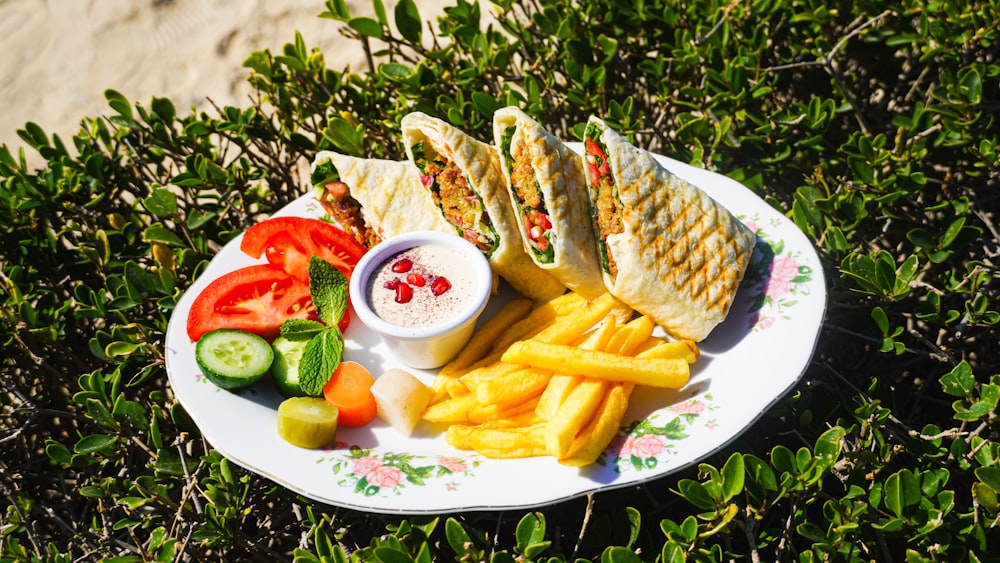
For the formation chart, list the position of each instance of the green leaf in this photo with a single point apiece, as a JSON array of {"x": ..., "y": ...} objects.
[
  {"x": 301, "y": 329},
  {"x": 696, "y": 493},
  {"x": 94, "y": 443},
  {"x": 618, "y": 554},
  {"x": 959, "y": 382},
  {"x": 366, "y": 26},
  {"x": 395, "y": 71},
  {"x": 320, "y": 359},
  {"x": 530, "y": 530},
  {"x": 328, "y": 287},
  {"x": 733, "y": 475},
  {"x": 408, "y": 21},
  {"x": 161, "y": 202},
  {"x": 158, "y": 233},
  {"x": 338, "y": 10}
]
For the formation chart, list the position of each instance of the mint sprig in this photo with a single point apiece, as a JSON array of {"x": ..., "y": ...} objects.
[
  {"x": 325, "y": 349},
  {"x": 328, "y": 287}
]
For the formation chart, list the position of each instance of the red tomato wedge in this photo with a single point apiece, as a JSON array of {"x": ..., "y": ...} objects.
[
  {"x": 350, "y": 390},
  {"x": 289, "y": 243},
  {"x": 597, "y": 161},
  {"x": 255, "y": 298}
]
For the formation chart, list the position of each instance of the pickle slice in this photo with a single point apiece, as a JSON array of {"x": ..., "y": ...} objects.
[{"x": 307, "y": 422}]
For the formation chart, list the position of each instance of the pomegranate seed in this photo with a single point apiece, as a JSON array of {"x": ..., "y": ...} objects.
[
  {"x": 403, "y": 265},
  {"x": 415, "y": 279},
  {"x": 403, "y": 293},
  {"x": 391, "y": 284},
  {"x": 440, "y": 285}
]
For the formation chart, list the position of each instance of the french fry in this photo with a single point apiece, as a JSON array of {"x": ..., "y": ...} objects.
[
  {"x": 566, "y": 302},
  {"x": 570, "y": 327},
  {"x": 456, "y": 388},
  {"x": 517, "y": 414},
  {"x": 513, "y": 387},
  {"x": 629, "y": 337},
  {"x": 573, "y": 414},
  {"x": 654, "y": 347},
  {"x": 482, "y": 339},
  {"x": 655, "y": 372},
  {"x": 523, "y": 441},
  {"x": 538, "y": 319},
  {"x": 592, "y": 440},
  {"x": 439, "y": 387},
  {"x": 455, "y": 409},
  {"x": 562, "y": 384},
  {"x": 496, "y": 369}
]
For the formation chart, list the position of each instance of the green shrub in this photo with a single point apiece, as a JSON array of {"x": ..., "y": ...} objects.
[{"x": 873, "y": 125}]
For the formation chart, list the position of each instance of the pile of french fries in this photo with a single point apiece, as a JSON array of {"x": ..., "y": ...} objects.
[{"x": 553, "y": 379}]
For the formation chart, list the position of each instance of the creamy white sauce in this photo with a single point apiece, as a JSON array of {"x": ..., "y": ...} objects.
[{"x": 424, "y": 308}]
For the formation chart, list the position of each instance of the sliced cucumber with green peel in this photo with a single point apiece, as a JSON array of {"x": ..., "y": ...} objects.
[
  {"x": 285, "y": 368},
  {"x": 232, "y": 358}
]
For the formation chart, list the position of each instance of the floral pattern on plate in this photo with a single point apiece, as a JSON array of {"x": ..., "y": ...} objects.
[
  {"x": 370, "y": 473},
  {"x": 779, "y": 277}
]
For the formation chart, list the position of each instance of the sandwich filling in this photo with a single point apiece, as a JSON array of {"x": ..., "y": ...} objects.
[
  {"x": 532, "y": 213},
  {"x": 453, "y": 195},
  {"x": 606, "y": 208},
  {"x": 335, "y": 197}
]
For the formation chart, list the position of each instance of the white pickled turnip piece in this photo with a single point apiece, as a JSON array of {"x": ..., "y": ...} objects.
[{"x": 400, "y": 398}]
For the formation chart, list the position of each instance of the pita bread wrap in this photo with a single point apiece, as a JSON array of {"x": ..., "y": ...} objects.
[
  {"x": 547, "y": 185},
  {"x": 668, "y": 250},
  {"x": 463, "y": 179},
  {"x": 374, "y": 199}
]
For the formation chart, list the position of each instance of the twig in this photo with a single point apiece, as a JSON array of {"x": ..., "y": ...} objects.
[
  {"x": 828, "y": 63},
  {"x": 583, "y": 526}
]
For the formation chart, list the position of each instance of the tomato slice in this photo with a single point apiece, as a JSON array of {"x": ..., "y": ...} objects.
[
  {"x": 255, "y": 298},
  {"x": 597, "y": 161},
  {"x": 289, "y": 243}
]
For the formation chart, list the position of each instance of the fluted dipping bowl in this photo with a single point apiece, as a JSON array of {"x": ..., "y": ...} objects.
[{"x": 433, "y": 345}]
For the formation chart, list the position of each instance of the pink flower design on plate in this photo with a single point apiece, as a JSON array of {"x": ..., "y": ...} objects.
[
  {"x": 689, "y": 407},
  {"x": 385, "y": 477},
  {"x": 752, "y": 225},
  {"x": 783, "y": 271},
  {"x": 453, "y": 464},
  {"x": 365, "y": 466},
  {"x": 645, "y": 446}
]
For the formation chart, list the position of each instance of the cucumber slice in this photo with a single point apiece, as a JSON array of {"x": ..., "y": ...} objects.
[
  {"x": 233, "y": 359},
  {"x": 285, "y": 368},
  {"x": 307, "y": 422}
]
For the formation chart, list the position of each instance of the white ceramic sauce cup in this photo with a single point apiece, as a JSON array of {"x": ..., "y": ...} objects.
[{"x": 431, "y": 346}]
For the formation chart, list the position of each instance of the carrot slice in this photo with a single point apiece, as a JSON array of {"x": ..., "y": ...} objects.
[{"x": 349, "y": 389}]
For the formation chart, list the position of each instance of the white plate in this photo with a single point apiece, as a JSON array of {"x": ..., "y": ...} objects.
[{"x": 747, "y": 364}]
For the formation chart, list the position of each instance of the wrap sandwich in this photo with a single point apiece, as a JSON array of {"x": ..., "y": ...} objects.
[
  {"x": 666, "y": 248},
  {"x": 373, "y": 199},
  {"x": 463, "y": 179},
  {"x": 546, "y": 182}
]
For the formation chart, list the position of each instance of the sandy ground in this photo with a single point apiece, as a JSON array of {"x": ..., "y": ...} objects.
[{"x": 58, "y": 56}]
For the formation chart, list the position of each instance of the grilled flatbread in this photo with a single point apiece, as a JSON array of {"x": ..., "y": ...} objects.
[
  {"x": 667, "y": 249},
  {"x": 373, "y": 199},
  {"x": 463, "y": 179},
  {"x": 547, "y": 186}
]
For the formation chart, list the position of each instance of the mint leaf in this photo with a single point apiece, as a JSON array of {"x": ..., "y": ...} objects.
[
  {"x": 301, "y": 329},
  {"x": 320, "y": 359},
  {"x": 328, "y": 287}
]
